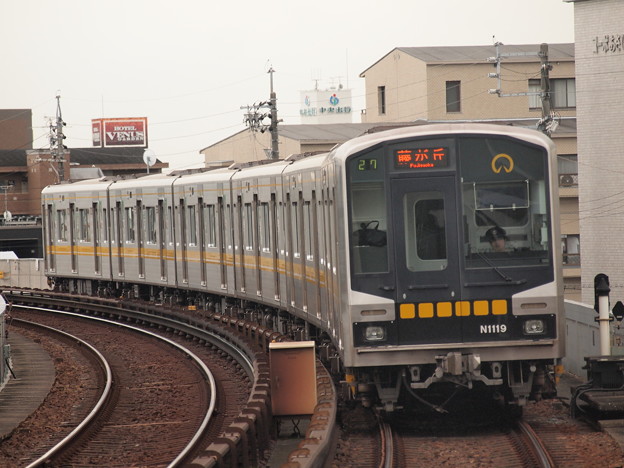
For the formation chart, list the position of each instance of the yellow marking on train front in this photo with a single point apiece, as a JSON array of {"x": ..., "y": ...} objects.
[
  {"x": 425, "y": 310},
  {"x": 481, "y": 307},
  {"x": 445, "y": 309},
  {"x": 499, "y": 307},
  {"x": 408, "y": 311},
  {"x": 462, "y": 309}
]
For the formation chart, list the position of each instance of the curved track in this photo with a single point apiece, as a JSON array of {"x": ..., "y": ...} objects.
[{"x": 130, "y": 404}]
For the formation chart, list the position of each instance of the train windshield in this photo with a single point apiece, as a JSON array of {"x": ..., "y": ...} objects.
[{"x": 505, "y": 203}]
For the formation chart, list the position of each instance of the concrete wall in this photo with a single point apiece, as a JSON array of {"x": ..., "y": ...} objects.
[
  {"x": 24, "y": 273},
  {"x": 583, "y": 337}
]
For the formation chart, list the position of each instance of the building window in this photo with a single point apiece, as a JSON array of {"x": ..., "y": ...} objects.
[
  {"x": 571, "y": 247},
  {"x": 381, "y": 99},
  {"x": 562, "y": 93},
  {"x": 567, "y": 165},
  {"x": 453, "y": 96}
]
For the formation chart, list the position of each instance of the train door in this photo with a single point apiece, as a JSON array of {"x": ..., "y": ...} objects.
[
  {"x": 120, "y": 244},
  {"x": 97, "y": 250},
  {"x": 183, "y": 241},
  {"x": 49, "y": 239},
  {"x": 139, "y": 239},
  {"x": 162, "y": 242},
  {"x": 274, "y": 246},
  {"x": 203, "y": 232},
  {"x": 72, "y": 238},
  {"x": 427, "y": 259},
  {"x": 222, "y": 242}
]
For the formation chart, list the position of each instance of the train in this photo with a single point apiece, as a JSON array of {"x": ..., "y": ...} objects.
[{"x": 380, "y": 250}]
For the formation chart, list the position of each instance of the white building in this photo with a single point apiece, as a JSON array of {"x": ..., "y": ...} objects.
[{"x": 599, "y": 52}]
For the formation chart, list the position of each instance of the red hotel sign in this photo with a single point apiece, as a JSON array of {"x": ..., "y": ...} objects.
[{"x": 119, "y": 132}]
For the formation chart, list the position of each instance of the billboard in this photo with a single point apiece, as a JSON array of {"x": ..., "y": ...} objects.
[
  {"x": 130, "y": 131},
  {"x": 329, "y": 106}
]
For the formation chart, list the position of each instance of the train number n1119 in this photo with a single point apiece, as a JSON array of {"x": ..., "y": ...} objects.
[{"x": 498, "y": 328}]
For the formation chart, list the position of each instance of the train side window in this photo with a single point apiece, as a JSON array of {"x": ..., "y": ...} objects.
[
  {"x": 265, "y": 225},
  {"x": 211, "y": 226},
  {"x": 151, "y": 225},
  {"x": 62, "y": 225},
  {"x": 170, "y": 227},
  {"x": 130, "y": 224},
  {"x": 295, "y": 229},
  {"x": 84, "y": 231},
  {"x": 248, "y": 228},
  {"x": 192, "y": 225},
  {"x": 307, "y": 220},
  {"x": 104, "y": 225}
]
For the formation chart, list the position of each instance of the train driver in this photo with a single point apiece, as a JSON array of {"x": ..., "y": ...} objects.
[{"x": 497, "y": 237}]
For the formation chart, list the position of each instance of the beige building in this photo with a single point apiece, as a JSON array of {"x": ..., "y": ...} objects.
[{"x": 452, "y": 83}]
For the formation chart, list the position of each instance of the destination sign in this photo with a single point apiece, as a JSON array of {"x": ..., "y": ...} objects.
[{"x": 421, "y": 158}]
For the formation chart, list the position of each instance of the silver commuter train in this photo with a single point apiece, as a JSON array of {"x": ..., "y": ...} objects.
[{"x": 379, "y": 250}]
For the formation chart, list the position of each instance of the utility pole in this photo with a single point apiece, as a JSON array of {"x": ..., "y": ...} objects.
[
  {"x": 274, "y": 121},
  {"x": 547, "y": 124},
  {"x": 254, "y": 119},
  {"x": 547, "y": 120},
  {"x": 57, "y": 146}
]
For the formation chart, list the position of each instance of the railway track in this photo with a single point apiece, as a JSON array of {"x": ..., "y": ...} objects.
[
  {"x": 545, "y": 437},
  {"x": 135, "y": 416},
  {"x": 245, "y": 375},
  {"x": 243, "y": 435},
  {"x": 400, "y": 447}
]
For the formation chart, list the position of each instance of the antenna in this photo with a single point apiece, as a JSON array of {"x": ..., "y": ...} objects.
[{"x": 149, "y": 158}]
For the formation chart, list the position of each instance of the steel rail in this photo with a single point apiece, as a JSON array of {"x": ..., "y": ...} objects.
[
  {"x": 387, "y": 446},
  {"x": 106, "y": 392},
  {"x": 543, "y": 456},
  {"x": 207, "y": 375}
]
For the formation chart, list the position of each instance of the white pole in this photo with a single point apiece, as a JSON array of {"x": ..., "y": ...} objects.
[{"x": 603, "y": 319}]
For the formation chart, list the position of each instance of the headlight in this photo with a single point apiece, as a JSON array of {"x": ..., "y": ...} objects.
[
  {"x": 375, "y": 333},
  {"x": 534, "y": 327}
]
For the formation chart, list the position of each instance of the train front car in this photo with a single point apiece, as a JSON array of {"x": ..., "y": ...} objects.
[{"x": 455, "y": 278}]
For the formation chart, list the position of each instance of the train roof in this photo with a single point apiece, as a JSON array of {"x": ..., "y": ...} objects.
[
  {"x": 78, "y": 186},
  {"x": 370, "y": 140}
]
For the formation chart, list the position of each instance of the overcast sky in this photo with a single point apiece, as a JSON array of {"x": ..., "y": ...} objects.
[{"x": 189, "y": 65}]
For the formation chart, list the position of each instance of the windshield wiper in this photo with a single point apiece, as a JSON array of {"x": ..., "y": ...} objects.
[{"x": 495, "y": 268}]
